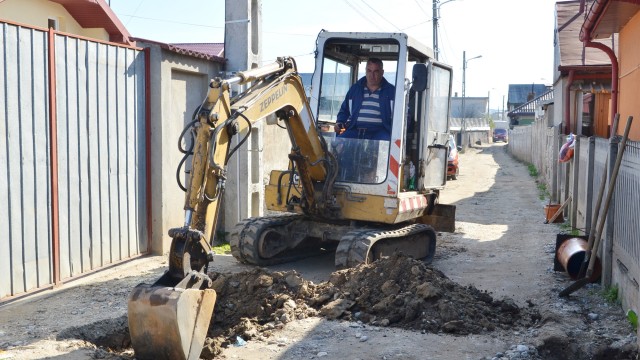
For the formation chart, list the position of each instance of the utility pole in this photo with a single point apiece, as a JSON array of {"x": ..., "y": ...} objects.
[
  {"x": 436, "y": 16},
  {"x": 435, "y": 28},
  {"x": 463, "y": 123},
  {"x": 464, "y": 116}
]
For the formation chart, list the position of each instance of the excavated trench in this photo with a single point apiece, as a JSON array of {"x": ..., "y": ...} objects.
[
  {"x": 255, "y": 303},
  {"x": 396, "y": 291}
]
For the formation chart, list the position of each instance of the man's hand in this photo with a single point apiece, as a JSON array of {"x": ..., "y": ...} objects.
[{"x": 339, "y": 128}]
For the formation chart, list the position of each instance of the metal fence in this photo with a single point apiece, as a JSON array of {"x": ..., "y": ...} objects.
[
  {"x": 25, "y": 193},
  {"x": 95, "y": 94},
  {"x": 580, "y": 178}
]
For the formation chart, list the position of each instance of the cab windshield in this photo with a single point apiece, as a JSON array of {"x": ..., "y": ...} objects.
[{"x": 362, "y": 158}]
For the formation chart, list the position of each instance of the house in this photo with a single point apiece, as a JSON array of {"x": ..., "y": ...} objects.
[
  {"x": 526, "y": 113},
  {"x": 582, "y": 75},
  {"x": 520, "y": 94},
  {"x": 605, "y": 20},
  {"x": 474, "y": 107},
  {"x": 92, "y": 19},
  {"x": 596, "y": 76}
]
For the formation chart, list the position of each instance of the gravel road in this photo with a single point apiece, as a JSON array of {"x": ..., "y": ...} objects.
[{"x": 501, "y": 248}]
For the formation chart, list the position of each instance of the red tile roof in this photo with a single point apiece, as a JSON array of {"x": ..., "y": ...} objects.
[
  {"x": 207, "y": 51},
  {"x": 212, "y": 49}
]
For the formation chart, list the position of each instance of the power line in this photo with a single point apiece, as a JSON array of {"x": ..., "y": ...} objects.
[
  {"x": 361, "y": 14},
  {"x": 418, "y": 24},
  {"x": 172, "y": 21},
  {"x": 210, "y": 26},
  {"x": 293, "y": 56},
  {"x": 134, "y": 11},
  {"x": 421, "y": 8},
  {"x": 383, "y": 18}
]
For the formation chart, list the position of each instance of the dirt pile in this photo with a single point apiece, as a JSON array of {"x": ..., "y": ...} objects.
[{"x": 397, "y": 291}]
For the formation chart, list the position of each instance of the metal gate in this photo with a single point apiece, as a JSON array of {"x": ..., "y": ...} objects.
[{"x": 72, "y": 158}]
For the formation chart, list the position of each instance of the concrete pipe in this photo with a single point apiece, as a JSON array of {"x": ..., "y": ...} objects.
[{"x": 571, "y": 255}]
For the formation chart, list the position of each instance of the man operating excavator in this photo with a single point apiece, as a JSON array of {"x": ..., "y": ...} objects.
[{"x": 366, "y": 112}]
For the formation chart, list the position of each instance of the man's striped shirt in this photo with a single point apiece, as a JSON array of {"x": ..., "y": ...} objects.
[{"x": 369, "y": 115}]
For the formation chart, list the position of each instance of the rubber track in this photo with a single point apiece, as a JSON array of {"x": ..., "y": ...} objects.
[
  {"x": 244, "y": 239},
  {"x": 354, "y": 247}
]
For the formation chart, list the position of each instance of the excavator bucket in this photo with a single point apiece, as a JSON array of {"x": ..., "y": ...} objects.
[{"x": 169, "y": 322}]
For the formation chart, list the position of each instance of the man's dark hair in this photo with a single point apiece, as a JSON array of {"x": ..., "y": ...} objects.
[{"x": 376, "y": 61}]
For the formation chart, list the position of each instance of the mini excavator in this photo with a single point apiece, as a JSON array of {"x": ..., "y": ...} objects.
[{"x": 384, "y": 199}]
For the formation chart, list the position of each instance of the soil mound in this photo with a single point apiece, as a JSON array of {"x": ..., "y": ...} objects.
[{"x": 396, "y": 291}]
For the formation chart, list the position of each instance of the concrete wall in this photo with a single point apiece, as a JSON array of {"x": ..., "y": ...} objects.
[
  {"x": 38, "y": 12},
  {"x": 179, "y": 83},
  {"x": 268, "y": 146}
]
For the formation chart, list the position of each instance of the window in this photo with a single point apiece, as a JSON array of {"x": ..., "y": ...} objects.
[
  {"x": 53, "y": 24},
  {"x": 336, "y": 80}
]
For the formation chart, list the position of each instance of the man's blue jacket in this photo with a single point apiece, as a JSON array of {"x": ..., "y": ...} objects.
[{"x": 352, "y": 103}]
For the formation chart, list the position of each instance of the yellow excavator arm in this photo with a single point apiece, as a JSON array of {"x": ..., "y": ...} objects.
[
  {"x": 169, "y": 319},
  {"x": 277, "y": 89}
]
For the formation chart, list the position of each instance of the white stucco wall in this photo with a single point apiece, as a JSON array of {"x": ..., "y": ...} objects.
[{"x": 38, "y": 13}]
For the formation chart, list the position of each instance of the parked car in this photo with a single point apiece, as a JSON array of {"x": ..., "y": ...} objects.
[
  {"x": 453, "y": 166},
  {"x": 500, "y": 135}
]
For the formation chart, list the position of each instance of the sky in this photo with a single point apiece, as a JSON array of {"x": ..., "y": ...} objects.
[{"x": 513, "y": 37}]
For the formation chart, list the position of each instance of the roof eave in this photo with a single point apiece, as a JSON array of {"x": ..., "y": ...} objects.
[
  {"x": 606, "y": 17},
  {"x": 78, "y": 8}
]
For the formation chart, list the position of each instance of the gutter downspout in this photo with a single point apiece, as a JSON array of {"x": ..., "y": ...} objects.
[
  {"x": 593, "y": 18},
  {"x": 614, "y": 74}
]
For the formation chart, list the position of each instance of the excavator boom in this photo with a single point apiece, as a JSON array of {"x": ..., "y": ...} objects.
[{"x": 170, "y": 318}]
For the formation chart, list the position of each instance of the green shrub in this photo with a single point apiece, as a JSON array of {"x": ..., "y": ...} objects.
[
  {"x": 611, "y": 294},
  {"x": 224, "y": 248},
  {"x": 633, "y": 319}
]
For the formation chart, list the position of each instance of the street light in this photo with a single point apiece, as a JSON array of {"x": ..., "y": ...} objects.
[
  {"x": 436, "y": 16},
  {"x": 464, "y": 116}
]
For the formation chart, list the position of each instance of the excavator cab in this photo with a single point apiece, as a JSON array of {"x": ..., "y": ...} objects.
[{"x": 415, "y": 156}]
